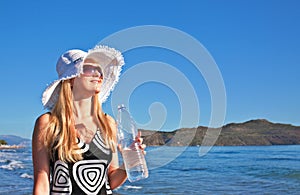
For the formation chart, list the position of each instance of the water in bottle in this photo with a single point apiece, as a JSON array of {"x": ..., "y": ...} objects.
[{"x": 133, "y": 157}]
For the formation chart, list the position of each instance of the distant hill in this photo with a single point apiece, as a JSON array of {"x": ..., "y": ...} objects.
[
  {"x": 15, "y": 140},
  {"x": 253, "y": 132}
]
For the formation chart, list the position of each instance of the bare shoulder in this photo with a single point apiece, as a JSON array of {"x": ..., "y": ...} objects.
[
  {"x": 41, "y": 123},
  {"x": 43, "y": 119}
]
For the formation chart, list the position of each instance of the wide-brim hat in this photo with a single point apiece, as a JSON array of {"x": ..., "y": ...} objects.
[{"x": 69, "y": 65}]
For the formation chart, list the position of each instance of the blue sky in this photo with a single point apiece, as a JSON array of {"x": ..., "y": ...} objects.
[{"x": 254, "y": 43}]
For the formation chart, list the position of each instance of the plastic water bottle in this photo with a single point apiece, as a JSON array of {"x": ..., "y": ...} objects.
[{"x": 133, "y": 157}]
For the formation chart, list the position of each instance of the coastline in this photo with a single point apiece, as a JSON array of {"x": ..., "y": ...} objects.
[
  {"x": 259, "y": 132},
  {"x": 10, "y": 147}
]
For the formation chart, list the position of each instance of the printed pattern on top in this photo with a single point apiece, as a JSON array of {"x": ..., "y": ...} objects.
[{"x": 87, "y": 176}]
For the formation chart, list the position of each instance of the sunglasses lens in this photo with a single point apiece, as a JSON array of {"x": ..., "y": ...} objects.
[{"x": 90, "y": 70}]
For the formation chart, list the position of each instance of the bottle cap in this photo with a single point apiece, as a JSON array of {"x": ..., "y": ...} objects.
[{"x": 121, "y": 106}]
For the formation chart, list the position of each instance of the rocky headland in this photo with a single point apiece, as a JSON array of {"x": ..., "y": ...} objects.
[{"x": 253, "y": 132}]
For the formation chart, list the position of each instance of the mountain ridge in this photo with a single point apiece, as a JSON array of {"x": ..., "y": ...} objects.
[
  {"x": 251, "y": 132},
  {"x": 15, "y": 140}
]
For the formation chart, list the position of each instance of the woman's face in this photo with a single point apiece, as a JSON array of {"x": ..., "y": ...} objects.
[{"x": 89, "y": 82}]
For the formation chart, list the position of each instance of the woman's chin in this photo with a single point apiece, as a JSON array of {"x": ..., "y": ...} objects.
[{"x": 97, "y": 91}]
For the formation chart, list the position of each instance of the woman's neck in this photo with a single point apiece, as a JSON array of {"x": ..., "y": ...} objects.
[
  {"x": 83, "y": 108},
  {"x": 86, "y": 122}
]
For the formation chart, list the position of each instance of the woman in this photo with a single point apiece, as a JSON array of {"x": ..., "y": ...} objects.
[{"x": 74, "y": 145}]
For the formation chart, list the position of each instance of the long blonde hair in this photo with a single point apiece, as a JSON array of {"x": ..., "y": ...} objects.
[{"x": 61, "y": 136}]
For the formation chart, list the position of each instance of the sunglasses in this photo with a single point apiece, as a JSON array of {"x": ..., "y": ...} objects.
[{"x": 90, "y": 70}]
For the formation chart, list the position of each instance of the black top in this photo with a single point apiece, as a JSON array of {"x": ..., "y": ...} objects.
[{"x": 87, "y": 176}]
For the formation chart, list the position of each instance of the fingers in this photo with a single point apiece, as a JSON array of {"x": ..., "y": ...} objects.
[
  {"x": 142, "y": 147},
  {"x": 139, "y": 138}
]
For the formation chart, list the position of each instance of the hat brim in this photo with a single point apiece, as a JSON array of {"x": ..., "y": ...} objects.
[
  {"x": 111, "y": 62},
  {"x": 51, "y": 93}
]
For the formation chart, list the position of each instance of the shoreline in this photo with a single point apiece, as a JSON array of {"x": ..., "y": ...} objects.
[{"x": 10, "y": 147}]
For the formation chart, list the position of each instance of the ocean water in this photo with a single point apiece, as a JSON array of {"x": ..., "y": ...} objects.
[{"x": 223, "y": 170}]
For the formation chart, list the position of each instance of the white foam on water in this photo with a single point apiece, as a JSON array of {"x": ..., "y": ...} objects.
[
  {"x": 132, "y": 187},
  {"x": 25, "y": 175},
  {"x": 13, "y": 165},
  {"x": 3, "y": 160}
]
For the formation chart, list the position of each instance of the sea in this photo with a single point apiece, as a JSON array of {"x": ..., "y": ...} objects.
[{"x": 185, "y": 170}]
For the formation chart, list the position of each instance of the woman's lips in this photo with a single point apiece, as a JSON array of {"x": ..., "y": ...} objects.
[{"x": 95, "y": 81}]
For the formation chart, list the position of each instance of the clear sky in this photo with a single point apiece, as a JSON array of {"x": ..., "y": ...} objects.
[{"x": 255, "y": 45}]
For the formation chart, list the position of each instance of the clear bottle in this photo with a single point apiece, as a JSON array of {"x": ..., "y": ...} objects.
[{"x": 133, "y": 157}]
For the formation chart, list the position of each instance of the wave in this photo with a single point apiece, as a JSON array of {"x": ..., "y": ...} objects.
[
  {"x": 3, "y": 160},
  {"x": 13, "y": 165},
  {"x": 8, "y": 150},
  {"x": 126, "y": 187},
  {"x": 25, "y": 175}
]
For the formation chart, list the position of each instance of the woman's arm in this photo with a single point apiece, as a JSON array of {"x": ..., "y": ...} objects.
[
  {"x": 116, "y": 174},
  {"x": 40, "y": 157}
]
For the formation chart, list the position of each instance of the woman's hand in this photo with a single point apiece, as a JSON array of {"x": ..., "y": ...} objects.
[{"x": 139, "y": 140}]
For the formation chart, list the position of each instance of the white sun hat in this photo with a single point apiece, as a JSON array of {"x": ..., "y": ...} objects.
[{"x": 69, "y": 65}]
